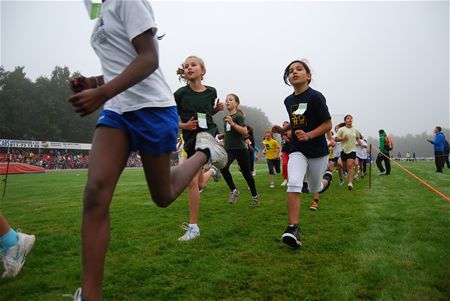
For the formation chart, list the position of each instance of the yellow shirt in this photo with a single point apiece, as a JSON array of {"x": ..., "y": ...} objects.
[
  {"x": 271, "y": 148},
  {"x": 348, "y": 145}
]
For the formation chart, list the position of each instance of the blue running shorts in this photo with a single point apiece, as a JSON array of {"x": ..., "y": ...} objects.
[{"x": 153, "y": 131}]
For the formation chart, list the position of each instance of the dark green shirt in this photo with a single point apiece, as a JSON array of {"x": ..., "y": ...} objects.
[
  {"x": 189, "y": 103},
  {"x": 233, "y": 139}
]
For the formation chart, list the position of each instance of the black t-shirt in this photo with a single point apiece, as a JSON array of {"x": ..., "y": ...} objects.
[
  {"x": 189, "y": 103},
  {"x": 233, "y": 139},
  {"x": 312, "y": 112}
]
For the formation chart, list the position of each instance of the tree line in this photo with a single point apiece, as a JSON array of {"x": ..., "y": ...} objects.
[{"x": 39, "y": 110}]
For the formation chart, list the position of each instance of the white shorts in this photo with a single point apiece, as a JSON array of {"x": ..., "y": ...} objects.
[{"x": 314, "y": 168}]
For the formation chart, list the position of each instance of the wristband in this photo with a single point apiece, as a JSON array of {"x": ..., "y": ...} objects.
[
  {"x": 309, "y": 136},
  {"x": 96, "y": 81}
]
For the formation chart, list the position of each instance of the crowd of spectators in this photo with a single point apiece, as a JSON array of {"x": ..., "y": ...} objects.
[{"x": 56, "y": 158}]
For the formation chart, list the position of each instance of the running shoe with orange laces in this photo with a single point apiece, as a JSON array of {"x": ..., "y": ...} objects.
[{"x": 314, "y": 205}]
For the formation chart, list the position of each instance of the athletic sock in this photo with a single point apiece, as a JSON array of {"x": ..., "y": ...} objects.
[{"x": 8, "y": 240}]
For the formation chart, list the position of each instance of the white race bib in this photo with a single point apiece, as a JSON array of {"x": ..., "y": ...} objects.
[
  {"x": 301, "y": 109},
  {"x": 201, "y": 117}
]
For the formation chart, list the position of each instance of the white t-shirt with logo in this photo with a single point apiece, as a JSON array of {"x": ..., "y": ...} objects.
[
  {"x": 337, "y": 149},
  {"x": 121, "y": 21},
  {"x": 361, "y": 150}
]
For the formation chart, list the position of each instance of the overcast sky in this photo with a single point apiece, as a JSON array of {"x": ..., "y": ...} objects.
[{"x": 386, "y": 63}]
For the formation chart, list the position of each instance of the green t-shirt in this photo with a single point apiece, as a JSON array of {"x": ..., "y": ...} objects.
[
  {"x": 233, "y": 139},
  {"x": 189, "y": 103},
  {"x": 382, "y": 141}
]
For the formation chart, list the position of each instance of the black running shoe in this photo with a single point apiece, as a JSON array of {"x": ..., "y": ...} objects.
[
  {"x": 291, "y": 236},
  {"x": 305, "y": 188}
]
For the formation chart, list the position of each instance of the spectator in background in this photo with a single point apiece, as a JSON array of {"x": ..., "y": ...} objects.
[
  {"x": 438, "y": 145},
  {"x": 383, "y": 155},
  {"x": 446, "y": 152},
  {"x": 408, "y": 156}
]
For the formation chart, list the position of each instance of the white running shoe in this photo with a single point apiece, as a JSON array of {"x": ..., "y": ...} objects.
[
  {"x": 190, "y": 234},
  {"x": 272, "y": 185},
  {"x": 14, "y": 259},
  {"x": 233, "y": 196},
  {"x": 219, "y": 157},
  {"x": 284, "y": 183},
  {"x": 254, "y": 173},
  {"x": 77, "y": 295},
  {"x": 255, "y": 200},
  {"x": 217, "y": 175}
]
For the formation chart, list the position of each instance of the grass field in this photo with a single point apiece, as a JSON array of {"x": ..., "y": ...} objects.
[{"x": 390, "y": 242}]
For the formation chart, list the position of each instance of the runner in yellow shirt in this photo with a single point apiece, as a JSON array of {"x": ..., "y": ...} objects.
[{"x": 272, "y": 152}]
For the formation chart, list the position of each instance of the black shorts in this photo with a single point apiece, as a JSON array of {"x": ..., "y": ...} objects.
[
  {"x": 273, "y": 163},
  {"x": 335, "y": 160},
  {"x": 345, "y": 156}
]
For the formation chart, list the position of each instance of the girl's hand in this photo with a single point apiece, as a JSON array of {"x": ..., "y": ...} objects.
[
  {"x": 88, "y": 101},
  {"x": 332, "y": 143},
  {"x": 277, "y": 129},
  {"x": 301, "y": 135},
  {"x": 289, "y": 135},
  {"x": 191, "y": 124},
  {"x": 219, "y": 106},
  {"x": 78, "y": 84},
  {"x": 249, "y": 145},
  {"x": 229, "y": 119}
]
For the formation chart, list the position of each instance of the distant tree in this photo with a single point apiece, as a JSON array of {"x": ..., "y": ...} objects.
[
  {"x": 40, "y": 110},
  {"x": 254, "y": 117},
  {"x": 17, "y": 95}
]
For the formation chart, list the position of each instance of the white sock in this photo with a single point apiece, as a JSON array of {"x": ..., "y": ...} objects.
[{"x": 194, "y": 226}]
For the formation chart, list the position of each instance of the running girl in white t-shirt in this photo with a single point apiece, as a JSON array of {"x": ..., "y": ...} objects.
[{"x": 139, "y": 115}]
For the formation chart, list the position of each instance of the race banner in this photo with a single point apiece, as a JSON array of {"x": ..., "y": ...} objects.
[{"x": 43, "y": 144}]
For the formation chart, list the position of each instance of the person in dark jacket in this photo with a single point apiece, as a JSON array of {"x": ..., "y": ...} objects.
[{"x": 438, "y": 145}]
